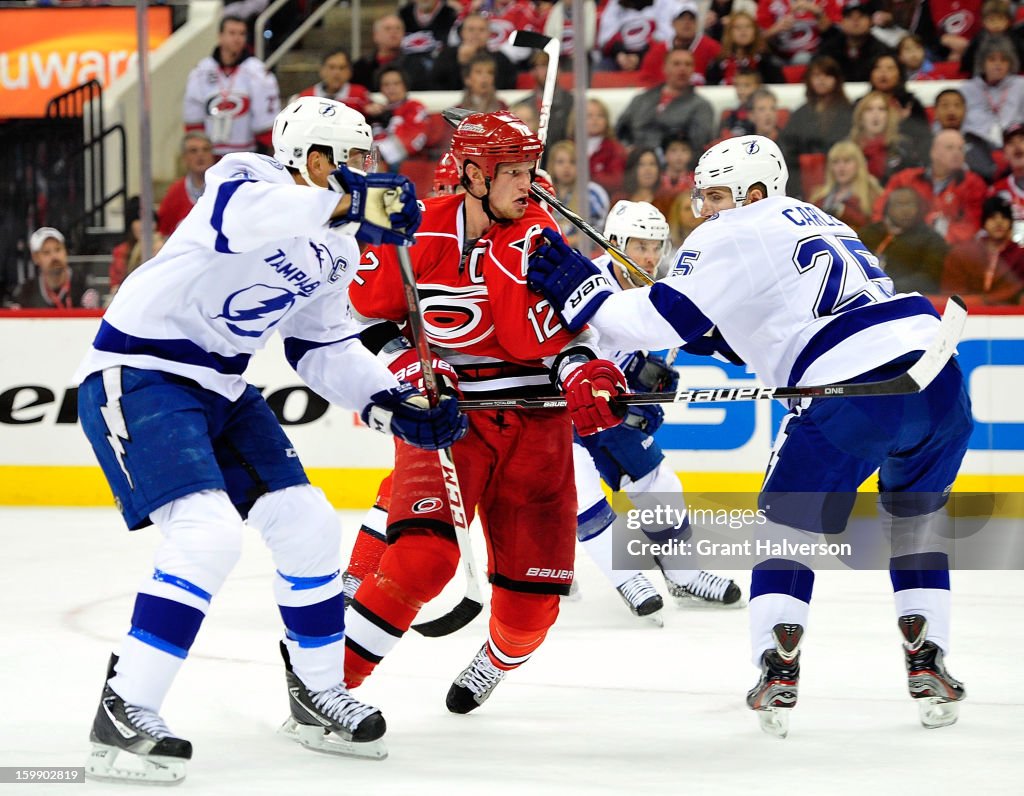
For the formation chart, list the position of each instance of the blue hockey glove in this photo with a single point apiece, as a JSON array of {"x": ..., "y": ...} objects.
[
  {"x": 645, "y": 417},
  {"x": 574, "y": 287},
  {"x": 404, "y": 412},
  {"x": 384, "y": 206},
  {"x": 648, "y": 373}
]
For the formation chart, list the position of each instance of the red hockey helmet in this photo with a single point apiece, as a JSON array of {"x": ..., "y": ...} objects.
[
  {"x": 446, "y": 175},
  {"x": 488, "y": 139}
]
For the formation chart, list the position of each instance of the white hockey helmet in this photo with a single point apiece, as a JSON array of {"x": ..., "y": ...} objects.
[
  {"x": 320, "y": 121},
  {"x": 737, "y": 163},
  {"x": 641, "y": 220}
]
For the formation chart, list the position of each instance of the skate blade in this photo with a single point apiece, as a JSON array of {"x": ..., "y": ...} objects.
[
  {"x": 320, "y": 740},
  {"x": 692, "y": 602},
  {"x": 774, "y": 721},
  {"x": 110, "y": 764},
  {"x": 936, "y": 712},
  {"x": 655, "y": 619}
]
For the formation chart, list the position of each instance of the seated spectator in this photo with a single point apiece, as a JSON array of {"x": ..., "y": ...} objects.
[
  {"x": 388, "y": 32},
  {"x": 55, "y": 286},
  {"x": 719, "y": 12},
  {"x": 642, "y": 181},
  {"x": 995, "y": 95},
  {"x": 336, "y": 82},
  {"x": 944, "y": 28},
  {"x": 913, "y": 57},
  {"x": 820, "y": 122},
  {"x": 850, "y": 190},
  {"x": 951, "y": 195},
  {"x": 428, "y": 24},
  {"x": 607, "y": 157},
  {"x": 626, "y": 29},
  {"x": 909, "y": 251},
  {"x": 183, "y": 193},
  {"x": 1011, "y": 187},
  {"x": 794, "y": 28},
  {"x": 561, "y": 104},
  {"x": 686, "y": 36},
  {"x": 400, "y": 125},
  {"x": 473, "y": 33},
  {"x": 677, "y": 176},
  {"x": 507, "y": 16},
  {"x": 850, "y": 42},
  {"x": 480, "y": 95},
  {"x": 671, "y": 109},
  {"x": 764, "y": 114},
  {"x": 996, "y": 20},
  {"x": 681, "y": 220},
  {"x": 887, "y": 77},
  {"x": 949, "y": 111},
  {"x": 127, "y": 255},
  {"x": 876, "y": 131},
  {"x": 528, "y": 113},
  {"x": 562, "y": 170},
  {"x": 744, "y": 48},
  {"x": 737, "y": 121},
  {"x": 558, "y": 23},
  {"x": 988, "y": 269},
  {"x": 231, "y": 96}
]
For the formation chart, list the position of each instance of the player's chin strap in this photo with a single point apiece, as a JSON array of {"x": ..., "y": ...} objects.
[{"x": 485, "y": 200}]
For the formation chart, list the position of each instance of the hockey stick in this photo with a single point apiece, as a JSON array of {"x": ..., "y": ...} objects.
[
  {"x": 917, "y": 377},
  {"x": 455, "y": 115},
  {"x": 552, "y": 48},
  {"x": 472, "y": 603}
]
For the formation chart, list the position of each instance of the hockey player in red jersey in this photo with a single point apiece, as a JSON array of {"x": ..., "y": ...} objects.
[{"x": 492, "y": 337}]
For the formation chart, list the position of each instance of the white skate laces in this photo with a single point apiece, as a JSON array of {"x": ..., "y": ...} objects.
[
  {"x": 148, "y": 721},
  {"x": 637, "y": 590},
  {"x": 338, "y": 704},
  {"x": 709, "y": 586},
  {"x": 481, "y": 676}
]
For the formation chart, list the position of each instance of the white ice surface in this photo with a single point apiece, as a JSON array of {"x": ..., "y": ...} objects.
[{"x": 608, "y": 704}]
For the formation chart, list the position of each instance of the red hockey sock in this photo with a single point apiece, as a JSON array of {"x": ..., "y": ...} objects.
[
  {"x": 366, "y": 554},
  {"x": 519, "y": 623},
  {"x": 412, "y": 571}
]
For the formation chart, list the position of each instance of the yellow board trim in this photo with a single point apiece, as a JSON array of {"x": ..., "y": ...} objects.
[{"x": 355, "y": 488}]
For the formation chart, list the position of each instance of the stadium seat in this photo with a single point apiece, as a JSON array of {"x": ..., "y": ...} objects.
[{"x": 794, "y": 73}]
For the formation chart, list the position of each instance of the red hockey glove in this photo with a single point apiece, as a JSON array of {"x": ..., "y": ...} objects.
[
  {"x": 406, "y": 367},
  {"x": 589, "y": 391}
]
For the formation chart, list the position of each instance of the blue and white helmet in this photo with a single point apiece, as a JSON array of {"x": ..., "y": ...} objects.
[
  {"x": 737, "y": 163},
  {"x": 641, "y": 220},
  {"x": 310, "y": 121}
]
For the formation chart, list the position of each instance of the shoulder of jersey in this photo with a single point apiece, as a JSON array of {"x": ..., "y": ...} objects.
[
  {"x": 439, "y": 213},
  {"x": 248, "y": 166}
]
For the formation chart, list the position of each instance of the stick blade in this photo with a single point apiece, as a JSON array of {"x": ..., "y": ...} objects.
[
  {"x": 531, "y": 39},
  {"x": 456, "y": 619},
  {"x": 954, "y": 317},
  {"x": 455, "y": 115}
]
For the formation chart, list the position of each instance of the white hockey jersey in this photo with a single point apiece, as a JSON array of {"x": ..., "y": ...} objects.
[
  {"x": 792, "y": 290},
  {"x": 231, "y": 105},
  {"x": 254, "y": 256}
]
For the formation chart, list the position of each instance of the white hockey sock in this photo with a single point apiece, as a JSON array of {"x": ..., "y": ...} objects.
[
  {"x": 768, "y": 610},
  {"x": 601, "y": 548},
  {"x": 144, "y": 674},
  {"x": 319, "y": 668},
  {"x": 933, "y": 605}
]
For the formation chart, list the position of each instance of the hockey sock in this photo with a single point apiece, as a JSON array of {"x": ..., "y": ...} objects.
[
  {"x": 510, "y": 645},
  {"x": 412, "y": 571},
  {"x": 921, "y": 586},
  {"x": 367, "y": 551},
  {"x": 780, "y": 591}
]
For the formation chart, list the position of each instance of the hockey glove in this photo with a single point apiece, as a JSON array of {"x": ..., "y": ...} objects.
[
  {"x": 402, "y": 411},
  {"x": 574, "y": 287},
  {"x": 648, "y": 373},
  {"x": 384, "y": 206},
  {"x": 590, "y": 390},
  {"x": 644, "y": 417},
  {"x": 406, "y": 367}
]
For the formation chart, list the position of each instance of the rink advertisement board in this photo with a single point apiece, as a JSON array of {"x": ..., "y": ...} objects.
[
  {"x": 45, "y": 458},
  {"x": 47, "y": 51}
]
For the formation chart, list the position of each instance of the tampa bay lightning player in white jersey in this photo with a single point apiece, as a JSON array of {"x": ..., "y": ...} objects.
[
  {"x": 802, "y": 301},
  {"x": 187, "y": 445},
  {"x": 627, "y": 457}
]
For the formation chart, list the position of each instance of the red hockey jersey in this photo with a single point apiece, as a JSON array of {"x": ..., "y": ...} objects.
[{"x": 477, "y": 310}]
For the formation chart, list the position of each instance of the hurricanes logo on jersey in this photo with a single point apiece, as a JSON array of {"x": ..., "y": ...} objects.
[{"x": 454, "y": 316}]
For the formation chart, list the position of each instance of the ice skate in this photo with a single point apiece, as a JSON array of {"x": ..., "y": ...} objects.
[
  {"x": 706, "y": 591},
  {"x": 775, "y": 694},
  {"x": 642, "y": 598},
  {"x": 133, "y": 744},
  {"x": 935, "y": 690},
  {"x": 332, "y": 721},
  {"x": 475, "y": 684}
]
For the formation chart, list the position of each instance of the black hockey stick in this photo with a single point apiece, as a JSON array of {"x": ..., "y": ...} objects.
[
  {"x": 917, "y": 377},
  {"x": 455, "y": 115},
  {"x": 472, "y": 603}
]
